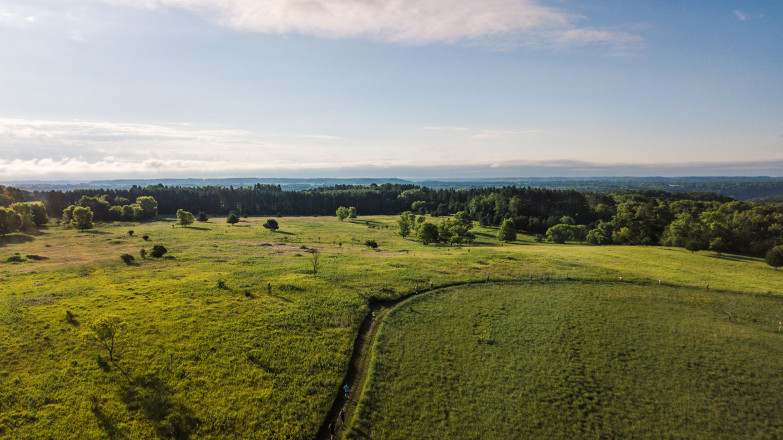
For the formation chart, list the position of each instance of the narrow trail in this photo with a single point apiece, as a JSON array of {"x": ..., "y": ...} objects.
[{"x": 356, "y": 375}]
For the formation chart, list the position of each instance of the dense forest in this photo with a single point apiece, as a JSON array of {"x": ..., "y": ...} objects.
[{"x": 693, "y": 220}]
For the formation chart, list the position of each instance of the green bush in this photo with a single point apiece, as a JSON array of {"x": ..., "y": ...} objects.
[{"x": 158, "y": 251}]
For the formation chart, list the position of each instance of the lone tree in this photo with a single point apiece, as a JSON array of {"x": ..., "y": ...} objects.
[
  {"x": 342, "y": 213},
  {"x": 775, "y": 257},
  {"x": 404, "y": 225},
  {"x": 507, "y": 232},
  {"x": 202, "y": 216},
  {"x": 271, "y": 224},
  {"x": 184, "y": 218},
  {"x": 428, "y": 233},
  {"x": 314, "y": 257},
  {"x": 371, "y": 244},
  {"x": 233, "y": 218},
  {"x": 82, "y": 218},
  {"x": 106, "y": 330},
  {"x": 352, "y": 212}
]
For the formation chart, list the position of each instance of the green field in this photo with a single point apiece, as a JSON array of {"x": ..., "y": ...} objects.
[
  {"x": 575, "y": 360},
  {"x": 233, "y": 335}
]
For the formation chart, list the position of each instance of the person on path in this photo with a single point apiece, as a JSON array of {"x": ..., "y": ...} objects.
[
  {"x": 331, "y": 430},
  {"x": 417, "y": 288},
  {"x": 347, "y": 390},
  {"x": 431, "y": 285},
  {"x": 487, "y": 278},
  {"x": 531, "y": 277},
  {"x": 342, "y": 416},
  {"x": 373, "y": 316}
]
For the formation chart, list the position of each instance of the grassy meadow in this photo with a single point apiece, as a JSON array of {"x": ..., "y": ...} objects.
[
  {"x": 232, "y": 335},
  {"x": 575, "y": 360}
]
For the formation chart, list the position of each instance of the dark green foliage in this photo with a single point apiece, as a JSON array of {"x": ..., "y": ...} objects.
[
  {"x": 184, "y": 218},
  {"x": 145, "y": 237},
  {"x": 143, "y": 253},
  {"x": 127, "y": 258},
  {"x": 371, "y": 244},
  {"x": 158, "y": 251},
  {"x": 271, "y": 224},
  {"x": 232, "y": 218},
  {"x": 342, "y": 213},
  {"x": 70, "y": 318},
  {"x": 36, "y": 257},
  {"x": 202, "y": 216},
  {"x": 130, "y": 233},
  {"x": 507, "y": 232},
  {"x": 428, "y": 233},
  {"x": 774, "y": 257},
  {"x": 16, "y": 258}
]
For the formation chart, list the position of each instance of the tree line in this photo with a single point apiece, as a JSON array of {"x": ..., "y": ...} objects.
[{"x": 692, "y": 220}]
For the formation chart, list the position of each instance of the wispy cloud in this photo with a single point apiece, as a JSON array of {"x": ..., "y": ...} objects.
[
  {"x": 741, "y": 16},
  {"x": 520, "y": 22}
]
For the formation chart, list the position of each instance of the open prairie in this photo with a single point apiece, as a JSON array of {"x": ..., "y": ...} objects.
[{"x": 233, "y": 334}]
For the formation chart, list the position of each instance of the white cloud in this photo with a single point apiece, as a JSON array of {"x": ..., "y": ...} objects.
[
  {"x": 521, "y": 22},
  {"x": 740, "y": 15}
]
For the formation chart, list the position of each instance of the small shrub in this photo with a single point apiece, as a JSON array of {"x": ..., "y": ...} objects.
[
  {"x": 202, "y": 216},
  {"x": 158, "y": 251},
  {"x": 15, "y": 259},
  {"x": 36, "y": 257},
  {"x": 145, "y": 237},
  {"x": 539, "y": 238},
  {"x": 222, "y": 285},
  {"x": 143, "y": 253},
  {"x": 130, "y": 233},
  {"x": 70, "y": 318},
  {"x": 371, "y": 244},
  {"x": 127, "y": 258}
]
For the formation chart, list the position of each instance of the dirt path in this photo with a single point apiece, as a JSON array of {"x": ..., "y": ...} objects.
[{"x": 356, "y": 375}]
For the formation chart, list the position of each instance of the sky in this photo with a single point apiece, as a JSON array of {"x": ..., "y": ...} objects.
[{"x": 101, "y": 89}]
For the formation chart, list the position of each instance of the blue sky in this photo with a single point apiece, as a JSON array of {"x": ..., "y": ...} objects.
[{"x": 395, "y": 88}]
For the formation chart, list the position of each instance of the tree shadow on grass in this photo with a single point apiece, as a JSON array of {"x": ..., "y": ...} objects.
[
  {"x": 732, "y": 257},
  {"x": 284, "y": 233},
  {"x": 93, "y": 232},
  {"x": 198, "y": 228},
  {"x": 106, "y": 423},
  {"x": 15, "y": 239},
  {"x": 152, "y": 398}
]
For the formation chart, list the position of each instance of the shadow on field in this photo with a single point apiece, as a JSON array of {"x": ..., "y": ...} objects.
[
  {"x": 198, "y": 228},
  {"x": 284, "y": 233},
  {"x": 94, "y": 232},
  {"x": 14, "y": 239},
  {"x": 732, "y": 257},
  {"x": 152, "y": 397},
  {"x": 104, "y": 421}
]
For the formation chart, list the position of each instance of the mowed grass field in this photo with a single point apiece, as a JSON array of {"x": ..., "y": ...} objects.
[
  {"x": 575, "y": 360},
  {"x": 233, "y": 335}
]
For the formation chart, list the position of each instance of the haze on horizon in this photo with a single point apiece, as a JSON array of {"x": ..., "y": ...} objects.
[{"x": 97, "y": 89}]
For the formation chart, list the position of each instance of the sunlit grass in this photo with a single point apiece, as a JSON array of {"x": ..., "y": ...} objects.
[{"x": 231, "y": 334}]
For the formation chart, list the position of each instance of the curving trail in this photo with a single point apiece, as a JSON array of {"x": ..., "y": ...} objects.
[{"x": 356, "y": 375}]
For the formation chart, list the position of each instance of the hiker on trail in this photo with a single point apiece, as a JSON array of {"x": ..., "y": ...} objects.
[
  {"x": 487, "y": 278},
  {"x": 417, "y": 288},
  {"x": 331, "y": 430},
  {"x": 431, "y": 285},
  {"x": 531, "y": 277},
  {"x": 347, "y": 390},
  {"x": 373, "y": 316},
  {"x": 342, "y": 416}
]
